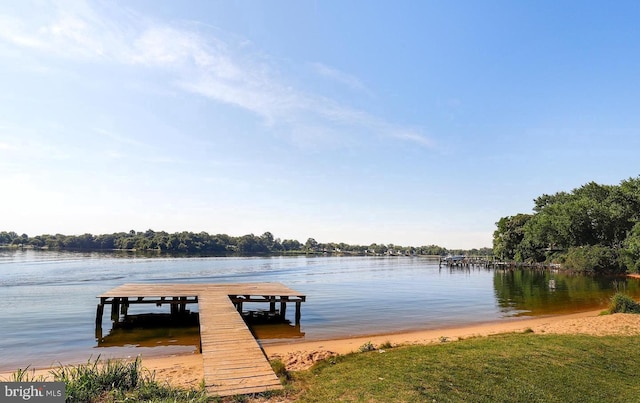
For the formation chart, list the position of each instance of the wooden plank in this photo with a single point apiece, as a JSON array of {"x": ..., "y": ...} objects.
[
  {"x": 233, "y": 361},
  {"x": 250, "y": 365}
]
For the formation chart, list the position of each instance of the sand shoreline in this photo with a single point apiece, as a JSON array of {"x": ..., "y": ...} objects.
[{"x": 186, "y": 369}]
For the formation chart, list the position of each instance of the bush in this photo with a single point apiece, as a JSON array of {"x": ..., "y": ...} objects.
[
  {"x": 368, "y": 346},
  {"x": 386, "y": 344},
  {"x": 621, "y": 303}
]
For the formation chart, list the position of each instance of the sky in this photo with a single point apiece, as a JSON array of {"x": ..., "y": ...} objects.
[{"x": 404, "y": 122}]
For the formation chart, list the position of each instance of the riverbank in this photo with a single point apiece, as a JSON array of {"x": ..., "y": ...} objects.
[{"x": 185, "y": 370}]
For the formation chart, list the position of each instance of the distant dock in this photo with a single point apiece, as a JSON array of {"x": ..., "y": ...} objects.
[
  {"x": 234, "y": 362},
  {"x": 491, "y": 263}
]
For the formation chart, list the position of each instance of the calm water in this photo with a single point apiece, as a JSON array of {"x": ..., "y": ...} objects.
[{"x": 48, "y": 299}]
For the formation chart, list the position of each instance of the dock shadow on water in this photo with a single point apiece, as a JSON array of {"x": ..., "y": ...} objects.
[
  {"x": 163, "y": 330},
  {"x": 154, "y": 330},
  {"x": 270, "y": 325}
]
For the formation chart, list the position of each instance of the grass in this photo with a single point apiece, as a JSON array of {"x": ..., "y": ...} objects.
[
  {"x": 505, "y": 368},
  {"x": 24, "y": 375},
  {"x": 280, "y": 369},
  {"x": 113, "y": 381},
  {"x": 522, "y": 367}
]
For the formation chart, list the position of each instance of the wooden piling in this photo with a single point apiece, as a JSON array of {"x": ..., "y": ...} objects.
[
  {"x": 124, "y": 307},
  {"x": 272, "y": 304},
  {"x": 99, "y": 312},
  {"x": 174, "y": 307},
  {"x": 283, "y": 307},
  {"x": 298, "y": 313},
  {"x": 115, "y": 310},
  {"x": 183, "y": 305}
]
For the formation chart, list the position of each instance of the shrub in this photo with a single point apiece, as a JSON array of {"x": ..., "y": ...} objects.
[
  {"x": 387, "y": 344},
  {"x": 622, "y": 303},
  {"x": 368, "y": 346}
]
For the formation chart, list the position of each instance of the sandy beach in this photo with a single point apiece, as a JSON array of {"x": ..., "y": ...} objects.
[{"x": 186, "y": 369}]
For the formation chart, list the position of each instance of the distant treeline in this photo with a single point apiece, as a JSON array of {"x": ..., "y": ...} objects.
[
  {"x": 220, "y": 244},
  {"x": 593, "y": 228}
]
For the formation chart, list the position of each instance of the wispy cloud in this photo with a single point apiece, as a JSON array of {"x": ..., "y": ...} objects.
[
  {"x": 414, "y": 137},
  {"x": 14, "y": 31},
  {"x": 201, "y": 61},
  {"x": 119, "y": 138},
  {"x": 69, "y": 29},
  {"x": 341, "y": 77}
]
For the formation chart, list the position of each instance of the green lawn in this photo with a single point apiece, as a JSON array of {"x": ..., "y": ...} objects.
[
  {"x": 522, "y": 367},
  {"x": 507, "y": 368}
]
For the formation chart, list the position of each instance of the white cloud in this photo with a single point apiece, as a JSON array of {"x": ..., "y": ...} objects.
[
  {"x": 200, "y": 61},
  {"x": 118, "y": 138},
  {"x": 341, "y": 77},
  {"x": 415, "y": 137},
  {"x": 5, "y": 146},
  {"x": 14, "y": 31}
]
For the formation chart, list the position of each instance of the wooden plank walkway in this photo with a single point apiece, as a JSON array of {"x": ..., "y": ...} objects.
[{"x": 233, "y": 361}]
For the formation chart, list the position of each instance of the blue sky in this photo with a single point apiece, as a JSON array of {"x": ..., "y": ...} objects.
[{"x": 405, "y": 122}]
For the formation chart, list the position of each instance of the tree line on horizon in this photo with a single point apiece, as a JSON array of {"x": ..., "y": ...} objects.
[
  {"x": 593, "y": 228},
  {"x": 220, "y": 244}
]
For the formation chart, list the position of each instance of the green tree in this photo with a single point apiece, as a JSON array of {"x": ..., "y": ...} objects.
[
  {"x": 509, "y": 235},
  {"x": 311, "y": 245},
  {"x": 589, "y": 228},
  {"x": 7, "y": 238},
  {"x": 630, "y": 253},
  {"x": 291, "y": 245}
]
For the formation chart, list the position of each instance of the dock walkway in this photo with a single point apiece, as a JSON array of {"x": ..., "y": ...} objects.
[{"x": 234, "y": 362}]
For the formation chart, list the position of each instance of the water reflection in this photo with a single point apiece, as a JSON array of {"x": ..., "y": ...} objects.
[
  {"x": 152, "y": 337},
  {"x": 276, "y": 332},
  {"x": 541, "y": 292},
  {"x": 161, "y": 330},
  {"x": 348, "y": 296}
]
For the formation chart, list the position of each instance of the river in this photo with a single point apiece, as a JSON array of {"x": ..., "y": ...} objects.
[{"x": 48, "y": 299}]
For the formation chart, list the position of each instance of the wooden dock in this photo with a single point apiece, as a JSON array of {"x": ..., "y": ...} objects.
[{"x": 234, "y": 362}]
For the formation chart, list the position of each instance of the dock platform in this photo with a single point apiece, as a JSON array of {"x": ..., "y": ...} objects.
[{"x": 234, "y": 363}]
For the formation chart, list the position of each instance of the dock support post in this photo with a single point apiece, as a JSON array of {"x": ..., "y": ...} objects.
[
  {"x": 183, "y": 305},
  {"x": 174, "y": 307},
  {"x": 99, "y": 312},
  {"x": 124, "y": 308},
  {"x": 272, "y": 304},
  {"x": 283, "y": 307},
  {"x": 298, "y": 305},
  {"x": 115, "y": 309},
  {"x": 239, "y": 307}
]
